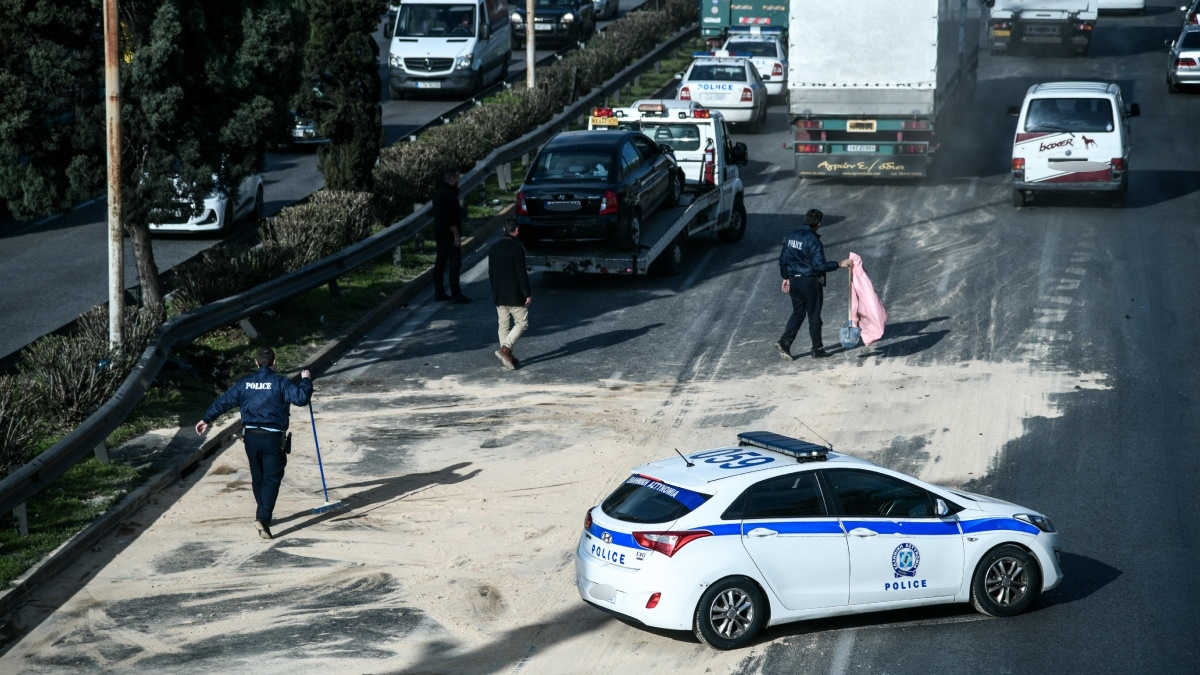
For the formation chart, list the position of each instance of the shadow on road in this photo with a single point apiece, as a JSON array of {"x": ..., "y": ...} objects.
[
  {"x": 1082, "y": 576},
  {"x": 593, "y": 342},
  {"x": 378, "y": 493},
  {"x": 916, "y": 340}
]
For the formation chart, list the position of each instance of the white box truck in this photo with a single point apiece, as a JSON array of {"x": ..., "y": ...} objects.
[
  {"x": 1067, "y": 23},
  {"x": 868, "y": 80}
]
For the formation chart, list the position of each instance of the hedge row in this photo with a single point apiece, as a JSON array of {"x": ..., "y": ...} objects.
[{"x": 61, "y": 380}]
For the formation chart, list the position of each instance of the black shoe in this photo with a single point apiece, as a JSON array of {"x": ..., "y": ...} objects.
[
  {"x": 783, "y": 351},
  {"x": 820, "y": 354},
  {"x": 460, "y": 300},
  {"x": 263, "y": 530},
  {"x": 441, "y": 297}
]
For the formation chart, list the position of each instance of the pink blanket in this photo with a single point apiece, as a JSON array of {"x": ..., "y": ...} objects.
[{"x": 865, "y": 309}]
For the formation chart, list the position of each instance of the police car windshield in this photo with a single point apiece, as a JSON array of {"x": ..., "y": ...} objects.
[
  {"x": 572, "y": 164},
  {"x": 752, "y": 47},
  {"x": 1069, "y": 114},
  {"x": 719, "y": 73},
  {"x": 641, "y": 499}
]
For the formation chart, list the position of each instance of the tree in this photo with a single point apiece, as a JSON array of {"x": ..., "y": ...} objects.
[
  {"x": 342, "y": 59},
  {"x": 204, "y": 90},
  {"x": 51, "y": 105}
]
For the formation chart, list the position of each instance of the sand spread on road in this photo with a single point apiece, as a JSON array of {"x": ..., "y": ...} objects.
[{"x": 464, "y": 505}]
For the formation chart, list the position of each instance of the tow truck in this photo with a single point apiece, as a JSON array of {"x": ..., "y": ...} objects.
[{"x": 712, "y": 198}]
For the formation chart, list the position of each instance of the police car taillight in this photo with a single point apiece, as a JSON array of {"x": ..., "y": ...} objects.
[
  {"x": 747, "y": 95},
  {"x": 587, "y": 520},
  {"x": 668, "y": 543},
  {"x": 777, "y": 70},
  {"x": 685, "y": 94},
  {"x": 608, "y": 203},
  {"x": 522, "y": 210}
]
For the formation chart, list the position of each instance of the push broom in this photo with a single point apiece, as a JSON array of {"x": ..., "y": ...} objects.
[{"x": 328, "y": 505}]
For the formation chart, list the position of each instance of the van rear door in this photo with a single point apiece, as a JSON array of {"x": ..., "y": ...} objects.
[{"x": 1068, "y": 140}]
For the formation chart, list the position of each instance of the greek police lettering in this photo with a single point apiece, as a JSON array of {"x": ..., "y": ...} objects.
[
  {"x": 605, "y": 554},
  {"x": 654, "y": 485},
  {"x": 714, "y": 87},
  {"x": 795, "y": 244},
  {"x": 258, "y": 385},
  {"x": 1069, "y": 142},
  {"x": 903, "y": 585}
]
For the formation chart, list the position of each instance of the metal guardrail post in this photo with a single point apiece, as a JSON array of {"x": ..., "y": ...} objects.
[
  {"x": 101, "y": 451},
  {"x": 21, "y": 514}
]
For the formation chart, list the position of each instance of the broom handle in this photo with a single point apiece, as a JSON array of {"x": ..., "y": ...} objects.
[
  {"x": 312, "y": 418},
  {"x": 850, "y": 309}
]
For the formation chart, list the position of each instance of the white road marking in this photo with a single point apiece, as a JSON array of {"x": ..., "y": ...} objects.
[
  {"x": 971, "y": 188},
  {"x": 687, "y": 283},
  {"x": 766, "y": 182},
  {"x": 841, "y": 653}
]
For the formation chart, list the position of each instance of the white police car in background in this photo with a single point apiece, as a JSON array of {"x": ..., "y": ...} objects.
[
  {"x": 728, "y": 83},
  {"x": 734, "y": 539},
  {"x": 767, "y": 53}
]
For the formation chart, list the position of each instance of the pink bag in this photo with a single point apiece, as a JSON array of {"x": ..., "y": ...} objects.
[{"x": 866, "y": 310}]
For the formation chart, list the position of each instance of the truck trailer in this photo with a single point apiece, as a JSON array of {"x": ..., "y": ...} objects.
[
  {"x": 869, "y": 79},
  {"x": 718, "y": 16},
  {"x": 1067, "y": 23}
]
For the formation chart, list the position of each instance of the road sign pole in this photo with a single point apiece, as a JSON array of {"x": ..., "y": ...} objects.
[
  {"x": 112, "y": 110},
  {"x": 530, "y": 79}
]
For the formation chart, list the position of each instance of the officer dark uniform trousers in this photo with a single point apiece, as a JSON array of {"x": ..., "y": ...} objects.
[
  {"x": 803, "y": 262},
  {"x": 263, "y": 398}
]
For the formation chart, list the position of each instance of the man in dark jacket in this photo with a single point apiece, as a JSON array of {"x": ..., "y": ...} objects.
[
  {"x": 447, "y": 233},
  {"x": 263, "y": 398},
  {"x": 802, "y": 265},
  {"x": 510, "y": 291}
]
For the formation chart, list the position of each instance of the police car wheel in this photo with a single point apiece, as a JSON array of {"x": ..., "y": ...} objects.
[
  {"x": 730, "y": 614},
  {"x": 1006, "y": 581}
]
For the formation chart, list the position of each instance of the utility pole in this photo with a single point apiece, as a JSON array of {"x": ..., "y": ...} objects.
[
  {"x": 112, "y": 110},
  {"x": 530, "y": 31}
]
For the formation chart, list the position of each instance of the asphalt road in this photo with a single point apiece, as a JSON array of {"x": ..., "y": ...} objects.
[
  {"x": 55, "y": 269},
  {"x": 974, "y": 289}
]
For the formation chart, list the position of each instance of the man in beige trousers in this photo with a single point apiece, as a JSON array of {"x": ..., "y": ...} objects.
[{"x": 510, "y": 291}]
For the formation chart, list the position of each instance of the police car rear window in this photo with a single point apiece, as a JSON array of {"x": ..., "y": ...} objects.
[
  {"x": 753, "y": 47},
  {"x": 642, "y": 499},
  {"x": 718, "y": 73}
]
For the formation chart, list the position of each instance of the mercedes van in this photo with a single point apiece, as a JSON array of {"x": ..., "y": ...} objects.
[
  {"x": 448, "y": 46},
  {"x": 1072, "y": 136}
]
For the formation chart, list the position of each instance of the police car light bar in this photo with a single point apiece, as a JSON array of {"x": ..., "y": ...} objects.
[{"x": 803, "y": 451}]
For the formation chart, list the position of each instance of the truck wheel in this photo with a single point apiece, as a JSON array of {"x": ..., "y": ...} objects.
[
  {"x": 730, "y": 614},
  {"x": 737, "y": 225},
  {"x": 674, "y": 191},
  {"x": 1018, "y": 198},
  {"x": 1006, "y": 582}
]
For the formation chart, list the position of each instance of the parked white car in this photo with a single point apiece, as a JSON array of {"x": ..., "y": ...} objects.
[{"x": 217, "y": 213}]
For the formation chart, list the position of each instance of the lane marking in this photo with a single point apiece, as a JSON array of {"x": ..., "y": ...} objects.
[
  {"x": 971, "y": 188},
  {"x": 700, "y": 266},
  {"x": 767, "y": 179},
  {"x": 841, "y": 653}
]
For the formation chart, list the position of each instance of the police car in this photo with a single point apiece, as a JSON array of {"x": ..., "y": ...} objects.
[
  {"x": 775, "y": 529},
  {"x": 727, "y": 82},
  {"x": 767, "y": 53}
]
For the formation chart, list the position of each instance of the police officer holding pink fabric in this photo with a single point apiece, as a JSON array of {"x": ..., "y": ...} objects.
[
  {"x": 263, "y": 397},
  {"x": 802, "y": 265}
]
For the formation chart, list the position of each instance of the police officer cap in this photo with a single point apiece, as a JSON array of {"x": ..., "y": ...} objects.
[{"x": 813, "y": 217}]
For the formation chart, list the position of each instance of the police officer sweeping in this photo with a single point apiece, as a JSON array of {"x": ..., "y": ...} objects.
[
  {"x": 263, "y": 398},
  {"x": 802, "y": 265}
]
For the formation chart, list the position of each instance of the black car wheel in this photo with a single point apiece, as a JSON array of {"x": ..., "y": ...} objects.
[
  {"x": 730, "y": 613},
  {"x": 631, "y": 234},
  {"x": 1006, "y": 581},
  {"x": 737, "y": 225},
  {"x": 674, "y": 191}
]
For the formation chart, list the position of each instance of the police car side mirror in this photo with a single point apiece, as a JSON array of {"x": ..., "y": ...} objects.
[
  {"x": 1135, "y": 110},
  {"x": 1014, "y": 111},
  {"x": 941, "y": 509},
  {"x": 741, "y": 156},
  {"x": 679, "y": 76}
]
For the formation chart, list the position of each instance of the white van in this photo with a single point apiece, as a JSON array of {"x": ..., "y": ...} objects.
[
  {"x": 446, "y": 45},
  {"x": 1072, "y": 136}
]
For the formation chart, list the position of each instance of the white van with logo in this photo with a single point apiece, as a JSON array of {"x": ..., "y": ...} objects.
[
  {"x": 456, "y": 46},
  {"x": 1072, "y": 136}
]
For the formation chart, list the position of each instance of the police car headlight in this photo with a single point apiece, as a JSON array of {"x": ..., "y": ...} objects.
[
  {"x": 568, "y": 17},
  {"x": 465, "y": 60},
  {"x": 1040, "y": 522}
]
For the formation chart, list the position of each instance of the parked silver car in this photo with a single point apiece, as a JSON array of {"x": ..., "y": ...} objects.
[{"x": 1183, "y": 62}]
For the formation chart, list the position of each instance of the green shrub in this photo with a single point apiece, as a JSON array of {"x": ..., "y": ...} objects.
[
  {"x": 20, "y": 425},
  {"x": 320, "y": 227},
  {"x": 225, "y": 270}
]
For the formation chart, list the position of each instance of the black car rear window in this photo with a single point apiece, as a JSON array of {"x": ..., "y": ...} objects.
[
  {"x": 642, "y": 499},
  {"x": 572, "y": 164}
]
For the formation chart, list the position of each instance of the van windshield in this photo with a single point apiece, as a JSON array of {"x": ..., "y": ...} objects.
[
  {"x": 1069, "y": 114},
  {"x": 435, "y": 21}
]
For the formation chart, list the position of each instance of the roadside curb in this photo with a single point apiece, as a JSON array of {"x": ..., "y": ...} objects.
[{"x": 62, "y": 557}]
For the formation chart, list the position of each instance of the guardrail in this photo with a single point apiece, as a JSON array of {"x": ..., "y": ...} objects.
[{"x": 24, "y": 483}]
